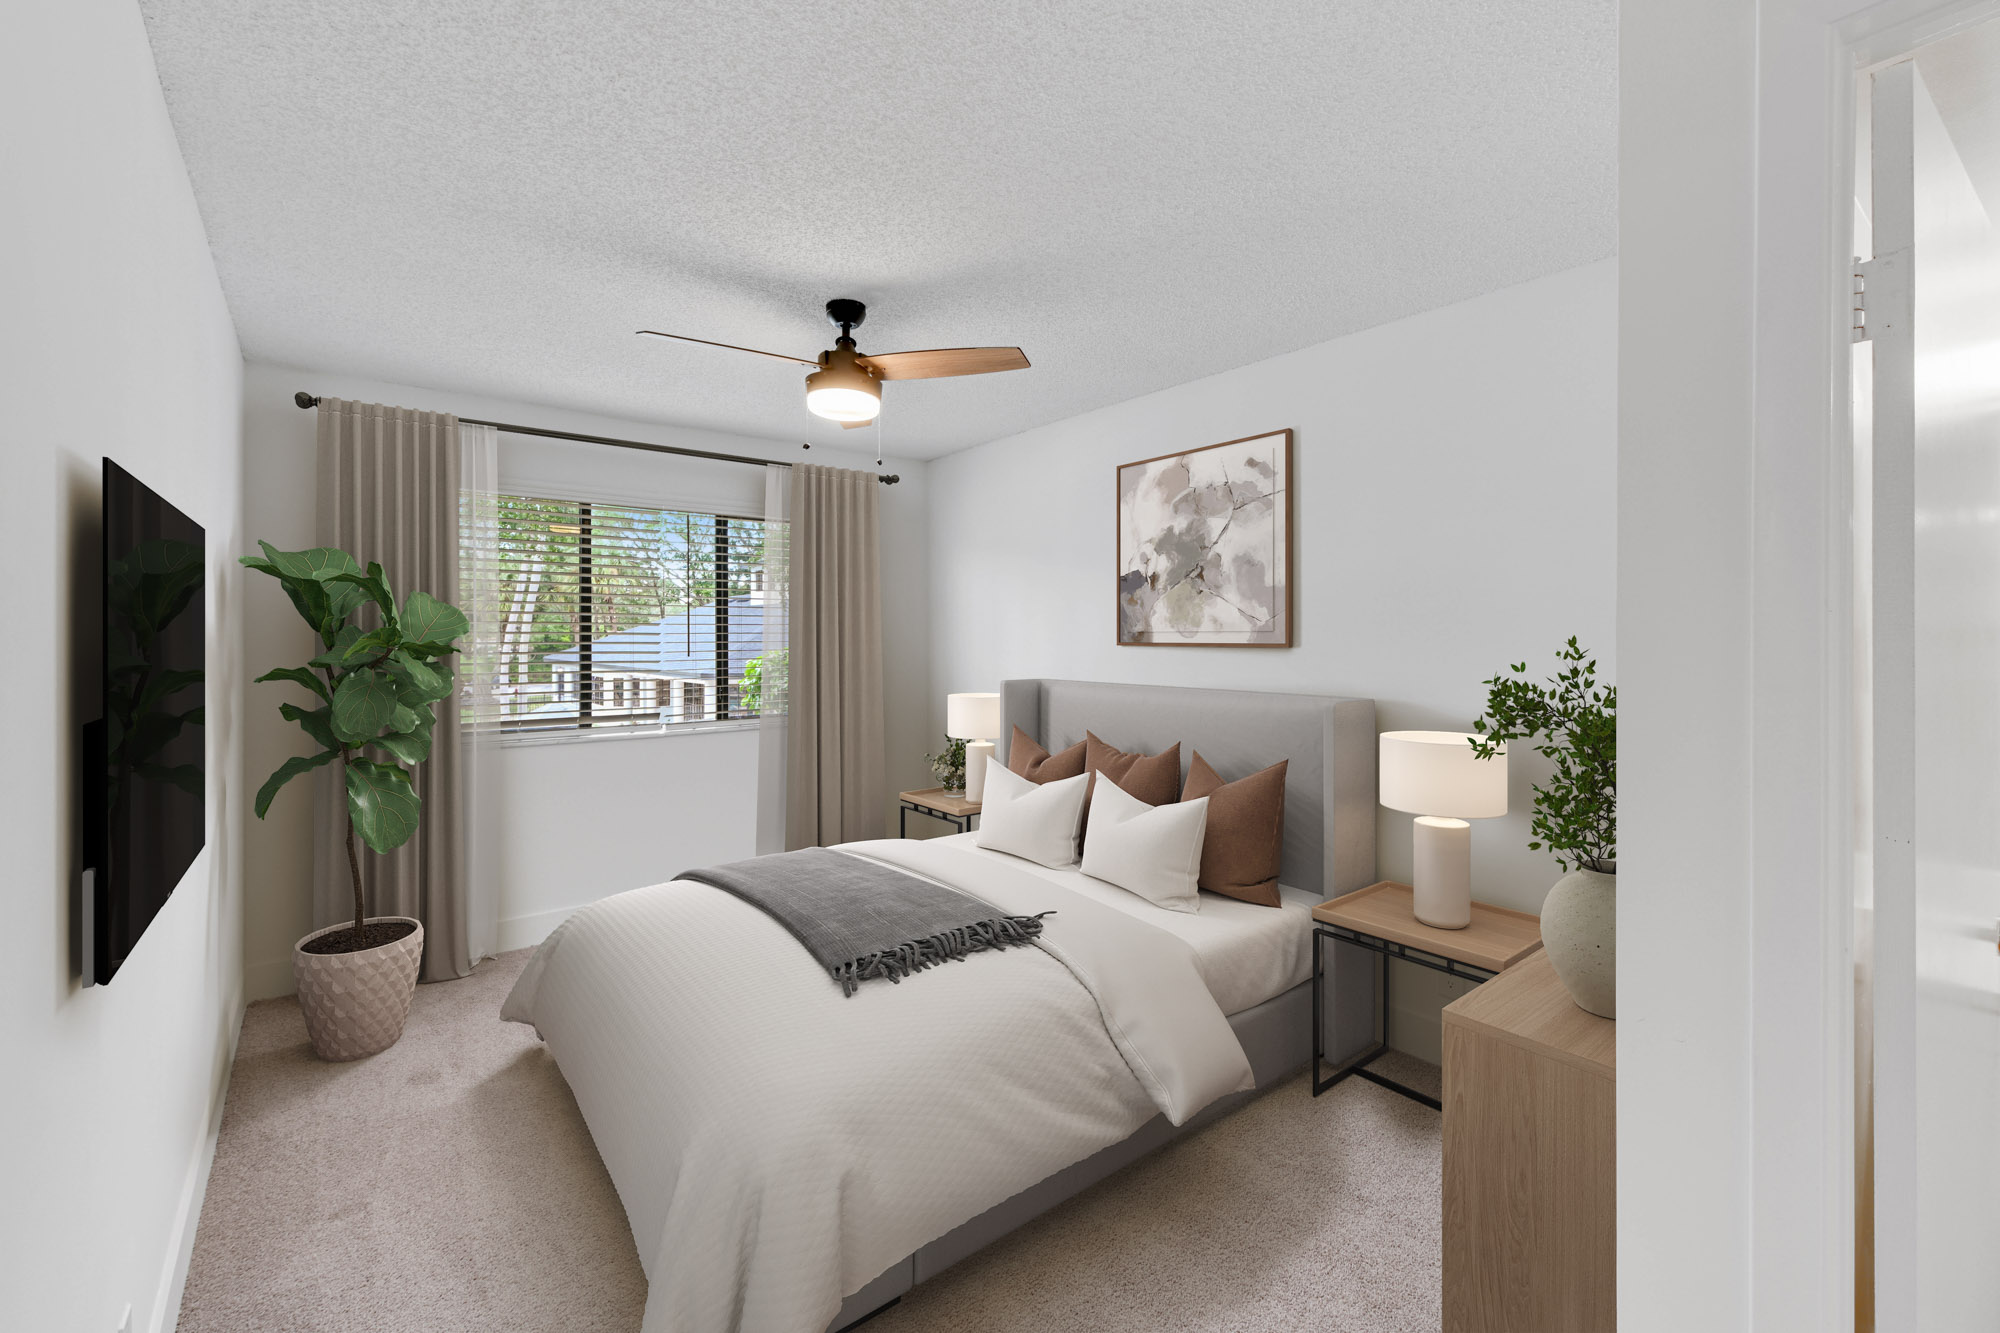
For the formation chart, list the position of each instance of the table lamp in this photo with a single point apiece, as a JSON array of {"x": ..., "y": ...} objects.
[
  {"x": 1435, "y": 776},
  {"x": 974, "y": 719}
]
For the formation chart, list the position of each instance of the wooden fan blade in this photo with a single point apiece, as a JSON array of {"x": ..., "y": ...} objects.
[
  {"x": 939, "y": 362},
  {"x": 855, "y": 425},
  {"x": 682, "y": 337}
]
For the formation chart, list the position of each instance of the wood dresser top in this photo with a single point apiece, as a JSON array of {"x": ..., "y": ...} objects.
[
  {"x": 1498, "y": 937},
  {"x": 1528, "y": 1007}
]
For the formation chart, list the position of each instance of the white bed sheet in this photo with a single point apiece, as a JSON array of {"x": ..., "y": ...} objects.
[{"x": 1246, "y": 953}]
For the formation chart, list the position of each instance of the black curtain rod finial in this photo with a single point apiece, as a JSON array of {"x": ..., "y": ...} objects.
[{"x": 305, "y": 400}]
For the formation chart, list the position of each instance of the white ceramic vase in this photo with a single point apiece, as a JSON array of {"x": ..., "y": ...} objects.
[
  {"x": 1580, "y": 935},
  {"x": 356, "y": 1003}
]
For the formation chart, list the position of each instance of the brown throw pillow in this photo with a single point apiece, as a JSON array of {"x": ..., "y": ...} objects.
[
  {"x": 1026, "y": 757},
  {"x": 1153, "y": 778},
  {"x": 1245, "y": 839}
]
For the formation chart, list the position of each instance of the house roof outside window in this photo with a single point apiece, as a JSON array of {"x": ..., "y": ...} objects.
[{"x": 682, "y": 644}]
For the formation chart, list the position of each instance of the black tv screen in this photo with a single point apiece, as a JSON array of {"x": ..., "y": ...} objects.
[{"x": 144, "y": 816}]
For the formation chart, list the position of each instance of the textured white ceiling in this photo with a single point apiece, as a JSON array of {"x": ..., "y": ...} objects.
[{"x": 493, "y": 196}]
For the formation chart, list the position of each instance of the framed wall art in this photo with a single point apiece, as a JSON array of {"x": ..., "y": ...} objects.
[{"x": 1205, "y": 546}]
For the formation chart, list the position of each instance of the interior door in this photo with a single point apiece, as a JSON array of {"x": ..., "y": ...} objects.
[{"x": 1932, "y": 298}]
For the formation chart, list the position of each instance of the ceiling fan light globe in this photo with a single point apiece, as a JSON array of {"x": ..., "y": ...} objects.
[{"x": 842, "y": 391}]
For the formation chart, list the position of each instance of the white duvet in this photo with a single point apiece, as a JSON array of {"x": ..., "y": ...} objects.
[{"x": 776, "y": 1145}]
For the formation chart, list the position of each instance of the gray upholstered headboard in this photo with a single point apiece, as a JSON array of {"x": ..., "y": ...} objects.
[{"x": 1330, "y": 743}]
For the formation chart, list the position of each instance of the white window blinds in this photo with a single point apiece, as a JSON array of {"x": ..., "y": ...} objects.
[{"x": 609, "y": 616}]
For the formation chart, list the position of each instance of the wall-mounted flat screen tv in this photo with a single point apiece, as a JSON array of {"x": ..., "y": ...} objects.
[{"x": 143, "y": 770}]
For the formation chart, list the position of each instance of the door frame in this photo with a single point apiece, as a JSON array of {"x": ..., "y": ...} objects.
[
  {"x": 1736, "y": 1049},
  {"x": 1854, "y": 45}
]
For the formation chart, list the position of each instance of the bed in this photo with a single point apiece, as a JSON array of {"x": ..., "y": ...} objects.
[{"x": 792, "y": 1160}]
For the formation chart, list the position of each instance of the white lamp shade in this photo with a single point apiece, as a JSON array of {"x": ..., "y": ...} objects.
[
  {"x": 1436, "y": 773},
  {"x": 972, "y": 717}
]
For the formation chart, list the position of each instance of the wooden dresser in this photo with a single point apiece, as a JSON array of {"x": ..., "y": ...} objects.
[{"x": 1530, "y": 1159}]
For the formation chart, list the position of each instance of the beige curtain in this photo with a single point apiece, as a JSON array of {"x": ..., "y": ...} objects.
[
  {"x": 389, "y": 493},
  {"x": 836, "y": 756}
]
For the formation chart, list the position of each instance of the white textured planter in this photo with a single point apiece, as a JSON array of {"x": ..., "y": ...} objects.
[
  {"x": 356, "y": 1003},
  {"x": 1580, "y": 935}
]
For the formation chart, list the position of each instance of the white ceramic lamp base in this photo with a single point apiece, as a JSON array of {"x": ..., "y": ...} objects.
[
  {"x": 1441, "y": 872},
  {"x": 976, "y": 755}
]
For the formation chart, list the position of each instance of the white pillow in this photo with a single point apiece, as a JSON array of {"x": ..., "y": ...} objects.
[
  {"x": 1033, "y": 820},
  {"x": 1151, "y": 850}
]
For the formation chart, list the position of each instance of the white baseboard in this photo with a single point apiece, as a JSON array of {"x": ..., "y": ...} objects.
[
  {"x": 525, "y": 932},
  {"x": 180, "y": 1251},
  {"x": 272, "y": 978}
]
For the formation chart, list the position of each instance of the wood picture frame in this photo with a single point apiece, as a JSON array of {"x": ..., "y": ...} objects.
[{"x": 1204, "y": 546}]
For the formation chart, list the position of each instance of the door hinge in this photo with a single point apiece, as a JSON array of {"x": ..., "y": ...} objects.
[{"x": 1858, "y": 319}]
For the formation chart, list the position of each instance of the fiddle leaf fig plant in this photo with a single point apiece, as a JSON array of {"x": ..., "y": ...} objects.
[
  {"x": 377, "y": 690},
  {"x": 1574, "y": 721}
]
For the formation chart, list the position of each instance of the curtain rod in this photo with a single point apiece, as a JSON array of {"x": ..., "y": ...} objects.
[{"x": 308, "y": 401}]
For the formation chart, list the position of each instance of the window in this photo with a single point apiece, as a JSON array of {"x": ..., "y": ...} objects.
[{"x": 612, "y": 617}]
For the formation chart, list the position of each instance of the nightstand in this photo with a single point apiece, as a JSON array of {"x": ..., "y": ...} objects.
[
  {"x": 938, "y": 804},
  {"x": 1380, "y": 919}
]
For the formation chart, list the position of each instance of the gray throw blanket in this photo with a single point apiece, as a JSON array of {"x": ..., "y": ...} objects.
[{"x": 863, "y": 920}]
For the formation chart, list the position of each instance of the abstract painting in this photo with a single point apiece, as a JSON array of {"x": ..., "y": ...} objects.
[{"x": 1205, "y": 546}]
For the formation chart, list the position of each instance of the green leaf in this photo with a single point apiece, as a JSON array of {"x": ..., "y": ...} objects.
[
  {"x": 362, "y": 706},
  {"x": 314, "y": 606},
  {"x": 337, "y": 650},
  {"x": 411, "y": 747},
  {"x": 290, "y": 769},
  {"x": 384, "y": 806},
  {"x": 417, "y": 683},
  {"x": 375, "y": 643},
  {"x": 341, "y": 600},
  {"x": 428, "y": 622},
  {"x": 298, "y": 676},
  {"x": 317, "y": 724},
  {"x": 374, "y": 586},
  {"x": 318, "y": 564}
]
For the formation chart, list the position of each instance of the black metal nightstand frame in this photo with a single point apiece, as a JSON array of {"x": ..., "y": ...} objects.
[
  {"x": 963, "y": 823},
  {"x": 1390, "y": 950}
]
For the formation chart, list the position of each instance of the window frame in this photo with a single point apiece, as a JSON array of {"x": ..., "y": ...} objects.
[{"x": 720, "y": 697}]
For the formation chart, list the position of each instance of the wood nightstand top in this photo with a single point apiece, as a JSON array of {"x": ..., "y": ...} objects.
[
  {"x": 1497, "y": 938},
  {"x": 934, "y": 798}
]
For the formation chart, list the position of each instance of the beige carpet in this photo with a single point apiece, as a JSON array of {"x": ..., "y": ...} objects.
[{"x": 449, "y": 1184}]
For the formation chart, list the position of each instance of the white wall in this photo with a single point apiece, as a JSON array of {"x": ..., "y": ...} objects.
[
  {"x": 1455, "y": 496},
  {"x": 114, "y": 339},
  {"x": 578, "y": 819}
]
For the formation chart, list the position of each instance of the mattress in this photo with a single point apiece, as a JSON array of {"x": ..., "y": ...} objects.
[{"x": 1245, "y": 953}]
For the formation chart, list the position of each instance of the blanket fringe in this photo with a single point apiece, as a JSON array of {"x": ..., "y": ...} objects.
[{"x": 1000, "y": 932}]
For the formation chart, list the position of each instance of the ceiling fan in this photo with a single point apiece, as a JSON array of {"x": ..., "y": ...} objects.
[{"x": 846, "y": 386}]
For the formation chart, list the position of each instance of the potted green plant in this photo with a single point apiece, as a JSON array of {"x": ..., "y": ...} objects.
[
  {"x": 1573, "y": 721},
  {"x": 948, "y": 767},
  {"x": 377, "y": 689}
]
